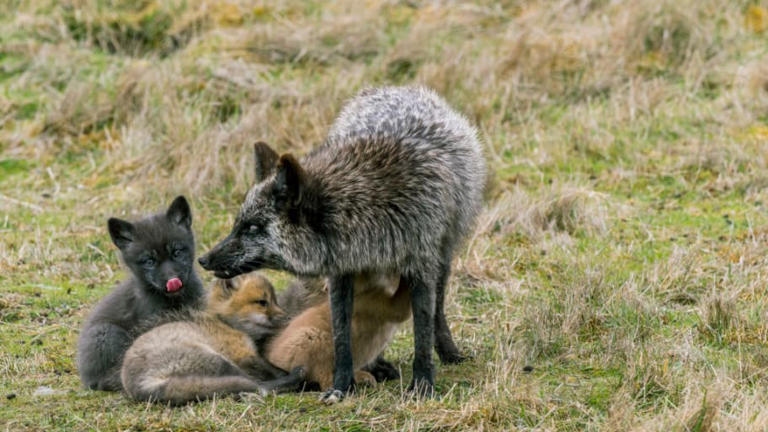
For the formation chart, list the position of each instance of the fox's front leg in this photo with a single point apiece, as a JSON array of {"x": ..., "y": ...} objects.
[{"x": 341, "y": 296}]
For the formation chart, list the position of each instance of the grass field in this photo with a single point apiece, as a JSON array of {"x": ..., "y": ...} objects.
[{"x": 617, "y": 277}]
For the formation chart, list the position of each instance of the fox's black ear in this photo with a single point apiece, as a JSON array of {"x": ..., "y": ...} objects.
[
  {"x": 266, "y": 160},
  {"x": 121, "y": 232},
  {"x": 289, "y": 182},
  {"x": 179, "y": 212}
]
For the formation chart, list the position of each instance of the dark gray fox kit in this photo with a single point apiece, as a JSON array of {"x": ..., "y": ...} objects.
[
  {"x": 215, "y": 352},
  {"x": 395, "y": 188},
  {"x": 159, "y": 251}
]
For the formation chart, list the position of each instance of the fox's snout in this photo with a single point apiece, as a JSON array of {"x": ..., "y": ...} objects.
[
  {"x": 213, "y": 259},
  {"x": 210, "y": 263},
  {"x": 204, "y": 261},
  {"x": 225, "y": 259}
]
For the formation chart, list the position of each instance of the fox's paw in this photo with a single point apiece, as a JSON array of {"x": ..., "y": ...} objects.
[
  {"x": 364, "y": 378},
  {"x": 252, "y": 397},
  {"x": 332, "y": 396},
  {"x": 383, "y": 370},
  {"x": 299, "y": 372},
  {"x": 453, "y": 357},
  {"x": 421, "y": 388}
]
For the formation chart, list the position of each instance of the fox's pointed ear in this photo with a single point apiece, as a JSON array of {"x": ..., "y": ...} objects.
[
  {"x": 121, "y": 232},
  {"x": 228, "y": 285},
  {"x": 223, "y": 288},
  {"x": 276, "y": 309},
  {"x": 221, "y": 291},
  {"x": 289, "y": 182},
  {"x": 266, "y": 161},
  {"x": 179, "y": 212}
]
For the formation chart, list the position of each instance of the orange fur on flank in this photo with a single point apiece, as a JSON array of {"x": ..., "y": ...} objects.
[{"x": 381, "y": 304}]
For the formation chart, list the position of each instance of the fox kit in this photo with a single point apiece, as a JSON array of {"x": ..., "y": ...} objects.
[
  {"x": 213, "y": 352},
  {"x": 381, "y": 304},
  {"x": 395, "y": 188},
  {"x": 304, "y": 293},
  {"x": 159, "y": 251}
]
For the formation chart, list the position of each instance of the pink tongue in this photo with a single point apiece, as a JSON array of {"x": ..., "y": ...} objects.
[{"x": 173, "y": 285}]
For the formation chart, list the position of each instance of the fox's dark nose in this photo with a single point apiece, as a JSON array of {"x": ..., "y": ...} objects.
[{"x": 204, "y": 261}]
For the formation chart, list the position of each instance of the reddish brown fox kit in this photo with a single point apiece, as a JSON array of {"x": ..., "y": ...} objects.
[
  {"x": 382, "y": 303},
  {"x": 211, "y": 352}
]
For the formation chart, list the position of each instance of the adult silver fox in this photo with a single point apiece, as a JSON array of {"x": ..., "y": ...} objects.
[{"x": 395, "y": 187}]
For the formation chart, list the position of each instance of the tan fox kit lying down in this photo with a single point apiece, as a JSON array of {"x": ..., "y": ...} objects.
[
  {"x": 382, "y": 303},
  {"x": 214, "y": 352}
]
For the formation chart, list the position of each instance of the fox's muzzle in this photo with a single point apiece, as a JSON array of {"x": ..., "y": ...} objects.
[
  {"x": 218, "y": 259},
  {"x": 210, "y": 262},
  {"x": 226, "y": 261},
  {"x": 205, "y": 262}
]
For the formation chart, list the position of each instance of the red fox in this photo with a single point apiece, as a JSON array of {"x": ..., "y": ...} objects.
[
  {"x": 382, "y": 303},
  {"x": 214, "y": 352}
]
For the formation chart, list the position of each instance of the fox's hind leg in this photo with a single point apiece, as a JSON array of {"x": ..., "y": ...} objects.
[
  {"x": 179, "y": 390},
  {"x": 444, "y": 344},
  {"x": 423, "y": 308},
  {"x": 100, "y": 354},
  {"x": 210, "y": 374},
  {"x": 290, "y": 382},
  {"x": 259, "y": 368}
]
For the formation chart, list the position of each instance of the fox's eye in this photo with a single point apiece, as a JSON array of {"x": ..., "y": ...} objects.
[
  {"x": 254, "y": 229},
  {"x": 262, "y": 303}
]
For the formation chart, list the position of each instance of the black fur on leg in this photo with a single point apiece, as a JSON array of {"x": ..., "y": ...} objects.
[
  {"x": 423, "y": 306},
  {"x": 341, "y": 293},
  {"x": 444, "y": 344}
]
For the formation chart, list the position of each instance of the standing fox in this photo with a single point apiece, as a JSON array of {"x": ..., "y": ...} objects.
[
  {"x": 395, "y": 188},
  {"x": 381, "y": 305},
  {"x": 213, "y": 352},
  {"x": 160, "y": 252}
]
